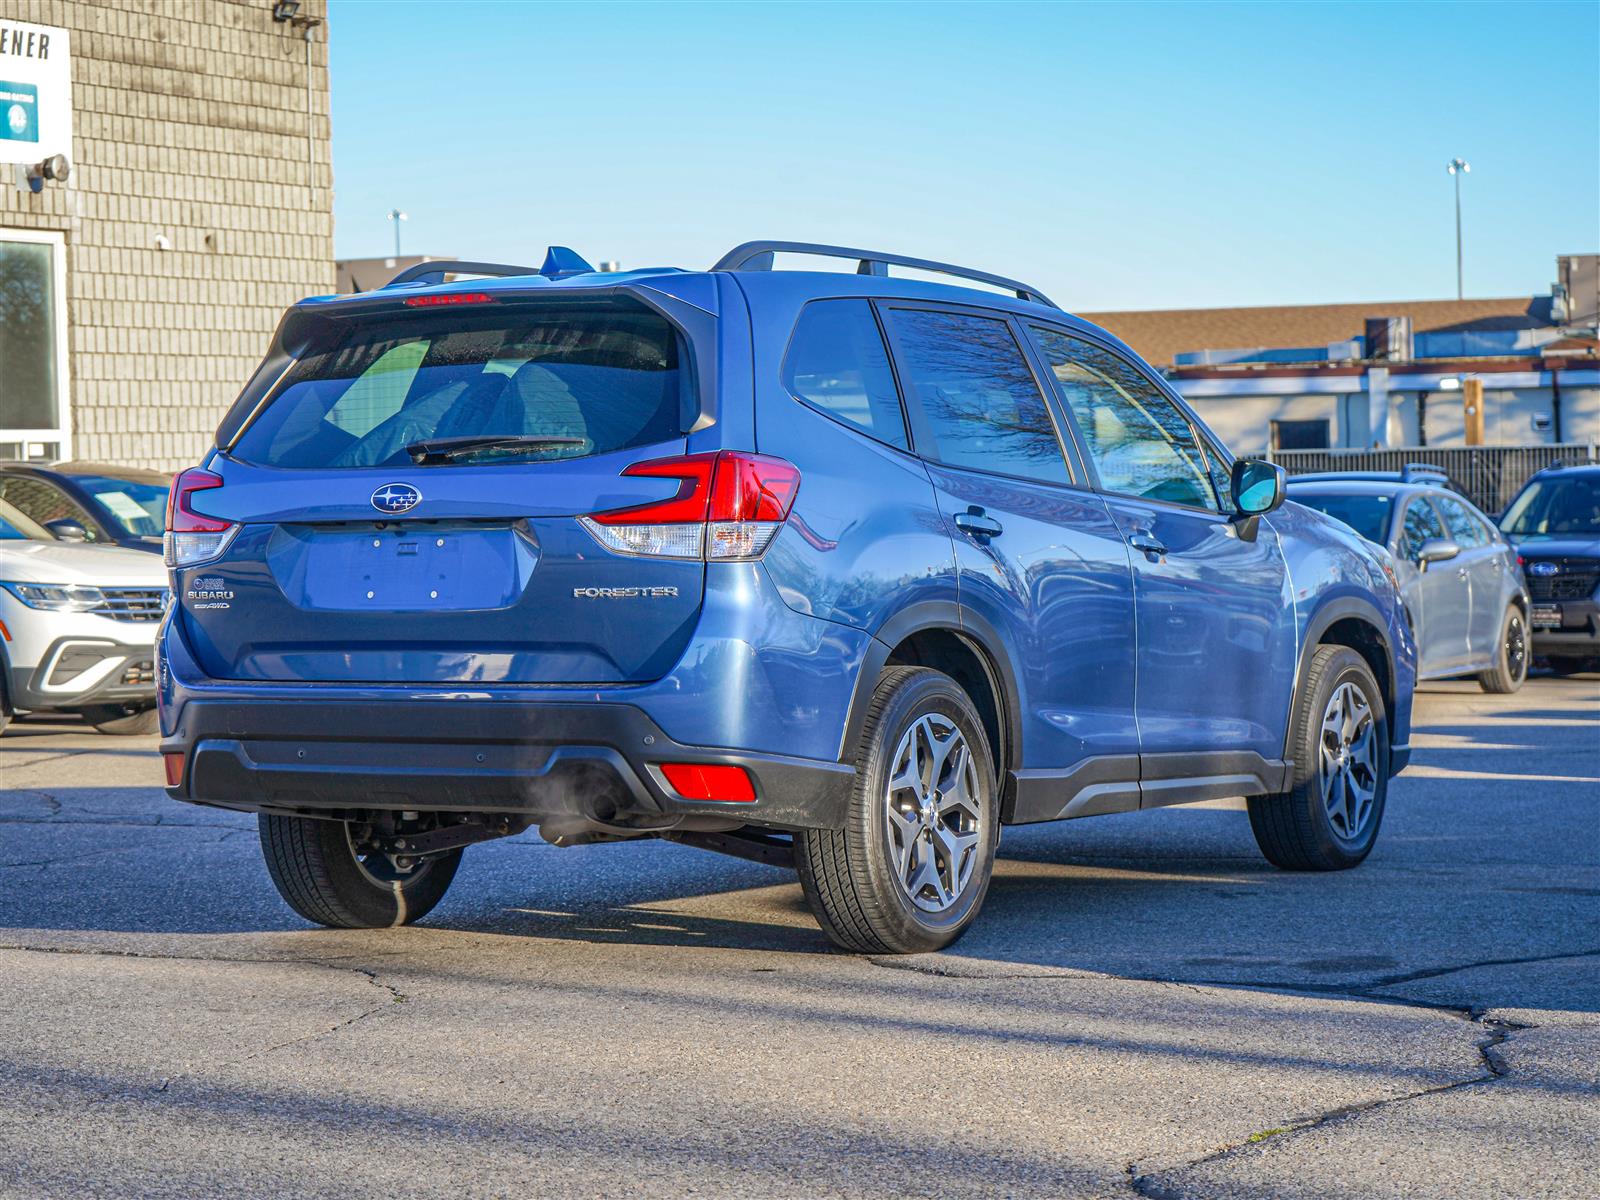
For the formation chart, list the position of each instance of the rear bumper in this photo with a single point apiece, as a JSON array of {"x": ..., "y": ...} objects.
[{"x": 549, "y": 762}]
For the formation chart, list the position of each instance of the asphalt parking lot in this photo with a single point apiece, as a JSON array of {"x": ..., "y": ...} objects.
[{"x": 1146, "y": 1007}]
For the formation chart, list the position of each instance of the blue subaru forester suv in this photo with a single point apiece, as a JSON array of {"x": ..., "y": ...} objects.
[{"x": 843, "y": 570}]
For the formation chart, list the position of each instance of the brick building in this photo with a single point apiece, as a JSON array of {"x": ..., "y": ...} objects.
[{"x": 139, "y": 293}]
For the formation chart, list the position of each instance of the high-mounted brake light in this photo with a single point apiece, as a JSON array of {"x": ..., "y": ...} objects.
[
  {"x": 729, "y": 505},
  {"x": 433, "y": 301},
  {"x": 194, "y": 537}
]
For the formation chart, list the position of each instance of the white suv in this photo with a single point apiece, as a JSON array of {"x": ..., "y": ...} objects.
[{"x": 77, "y": 627}]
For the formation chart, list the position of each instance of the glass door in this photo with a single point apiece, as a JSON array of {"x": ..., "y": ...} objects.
[{"x": 34, "y": 418}]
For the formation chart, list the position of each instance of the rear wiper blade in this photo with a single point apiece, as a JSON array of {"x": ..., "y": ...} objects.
[{"x": 444, "y": 449}]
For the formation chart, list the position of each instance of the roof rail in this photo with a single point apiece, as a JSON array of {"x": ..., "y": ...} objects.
[
  {"x": 757, "y": 256},
  {"x": 1423, "y": 471},
  {"x": 434, "y": 272}
]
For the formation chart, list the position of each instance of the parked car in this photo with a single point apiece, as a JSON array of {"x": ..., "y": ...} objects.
[
  {"x": 90, "y": 502},
  {"x": 1555, "y": 523},
  {"x": 1463, "y": 591},
  {"x": 77, "y": 628},
  {"x": 843, "y": 570}
]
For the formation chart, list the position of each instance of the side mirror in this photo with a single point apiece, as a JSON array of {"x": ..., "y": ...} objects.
[
  {"x": 68, "y": 530},
  {"x": 1258, "y": 486},
  {"x": 1437, "y": 550}
]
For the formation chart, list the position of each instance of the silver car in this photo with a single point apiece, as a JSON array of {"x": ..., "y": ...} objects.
[{"x": 1463, "y": 590}]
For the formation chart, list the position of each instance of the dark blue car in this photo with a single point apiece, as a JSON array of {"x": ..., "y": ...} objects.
[{"x": 838, "y": 570}]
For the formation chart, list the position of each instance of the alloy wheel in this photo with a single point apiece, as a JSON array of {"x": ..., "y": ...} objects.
[
  {"x": 1516, "y": 648},
  {"x": 1348, "y": 770},
  {"x": 933, "y": 810}
]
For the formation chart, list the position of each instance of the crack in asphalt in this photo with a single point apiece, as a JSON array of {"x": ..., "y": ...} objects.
[{"x": 1495, "y": 1069}]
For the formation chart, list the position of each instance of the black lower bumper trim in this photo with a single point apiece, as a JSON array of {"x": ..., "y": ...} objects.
[{"x": 550, "y": 762}]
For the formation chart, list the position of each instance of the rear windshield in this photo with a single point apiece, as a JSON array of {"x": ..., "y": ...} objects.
[
  {"x": 1367, "y": 515},
  {"x": 531, "y": 383}
]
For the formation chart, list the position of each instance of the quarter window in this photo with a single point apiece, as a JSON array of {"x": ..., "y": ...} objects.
[
  {"x": 978, "y": 402},
  {"x": 837, "y": 363},
  {"x": 1421, "y": 524},
  {"x": 1141, "y": 443}
]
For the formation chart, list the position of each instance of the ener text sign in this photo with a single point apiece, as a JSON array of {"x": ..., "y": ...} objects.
[{"x": 35, "y": 92}]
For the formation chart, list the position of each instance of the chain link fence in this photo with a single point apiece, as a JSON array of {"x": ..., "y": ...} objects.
[{"x": 1488, "y": 475}]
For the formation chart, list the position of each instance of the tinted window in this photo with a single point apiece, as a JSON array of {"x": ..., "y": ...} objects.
[
  {"x": 979, "y": 403},
  {"x": 1556, "y": 506},
  {"x": 1141, "y": 443},
  {"x": 1367, "y": 515},
  {"x": 837, "y": 363},
  {"x": 139, "y": 508},
  {"x": 45, "y": 502},
  {"x": 1421, "y": 524},
  {"x": 15, "y": 526},
  {"x": 588, "y": 380},
  {"x": 1464, "y": 527}
]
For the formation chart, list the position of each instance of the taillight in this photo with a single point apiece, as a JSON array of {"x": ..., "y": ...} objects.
[
  {"x": 194, "y": 537},
  {"x": 729, "y": 505}
]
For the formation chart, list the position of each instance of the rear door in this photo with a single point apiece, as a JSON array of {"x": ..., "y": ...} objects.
[
  {"x": 376, "y": 544},
  {"x": 1038, "y": 558},
  {"x": 1215, "y": 619}
]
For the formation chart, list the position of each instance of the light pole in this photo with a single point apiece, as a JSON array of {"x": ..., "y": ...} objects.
[
  {"x": 397, "y": 216},
  {"x": 1457, "y": 168}
]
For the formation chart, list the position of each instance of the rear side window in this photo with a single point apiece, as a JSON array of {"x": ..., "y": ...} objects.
[
  {"x": 978, "y": 403},
  {"x": 837, "y": 363},
  {"x": 548, "y": 382},
  {"x": 1467, "y": 530}
]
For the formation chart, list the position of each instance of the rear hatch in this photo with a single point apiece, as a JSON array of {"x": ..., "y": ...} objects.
[{"x": 407, "y": 503}]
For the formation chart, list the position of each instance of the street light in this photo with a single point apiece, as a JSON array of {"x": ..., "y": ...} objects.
[
  {"x": 397, "y": 216},
  {"x": 1457, "y": 168}
]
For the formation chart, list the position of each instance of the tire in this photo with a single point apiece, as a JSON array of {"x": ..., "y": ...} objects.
[
  {"x": 125, "y": 720},
  {"x": 1510, "y": 668},
  {"x": 910, "y": 882},
  {"x": 1299, "y": 830},
  {"x": 315, "y": 868}
]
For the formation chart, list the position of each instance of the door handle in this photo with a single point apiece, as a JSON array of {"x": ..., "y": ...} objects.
[
  {"x": 975, "y": 522},
  {"x": 1147, "y": 542}
]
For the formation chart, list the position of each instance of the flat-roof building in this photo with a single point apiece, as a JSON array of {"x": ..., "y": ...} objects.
[
  {"x": 1386, "y": 373},
  {"x": 138, "y": 292}
]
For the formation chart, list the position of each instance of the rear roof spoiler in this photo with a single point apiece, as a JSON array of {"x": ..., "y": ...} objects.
[{"x": 559, "y": 262}]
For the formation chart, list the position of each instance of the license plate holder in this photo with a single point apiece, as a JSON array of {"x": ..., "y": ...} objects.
[{"x": 1545, "y": 616}]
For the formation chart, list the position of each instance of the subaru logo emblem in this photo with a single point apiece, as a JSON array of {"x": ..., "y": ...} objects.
[
  {"x": 396, "y": 498},
  {"x": 1543, "y": 569}
]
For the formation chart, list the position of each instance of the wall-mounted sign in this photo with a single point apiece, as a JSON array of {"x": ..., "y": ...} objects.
[{"x": 35, "y": 92}]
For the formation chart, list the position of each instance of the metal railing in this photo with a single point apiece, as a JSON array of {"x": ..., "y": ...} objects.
[{"x": 1489, "y": 475}]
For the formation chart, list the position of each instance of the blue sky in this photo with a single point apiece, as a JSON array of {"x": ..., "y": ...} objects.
[{"x": 1118, "y": 156}]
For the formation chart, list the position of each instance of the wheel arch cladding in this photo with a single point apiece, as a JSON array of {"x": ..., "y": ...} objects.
[{"x": 934, "y": 640}]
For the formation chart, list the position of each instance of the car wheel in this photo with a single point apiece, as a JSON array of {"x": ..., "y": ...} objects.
[
  {"x": 909, "y": 871},
  {"x": 1328, "y": 819},
  {"x": 122, "y": 719},
  {"x": 1511, "y": 656},
  {"x": 326, "y": 878}
]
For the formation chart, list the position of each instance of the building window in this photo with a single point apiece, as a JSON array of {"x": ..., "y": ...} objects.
[
  {"x": 1300, "y": 435},
  {"x": 33, "y": 404}
]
